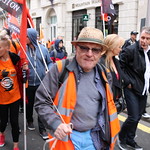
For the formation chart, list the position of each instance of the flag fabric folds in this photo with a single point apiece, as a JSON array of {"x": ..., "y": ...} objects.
[
  {"x": 23, "y": 32},
  {"x": 18, "y": 9},
  {"x": 108, "y": 8},
  {"x": 14, "y": 7}
]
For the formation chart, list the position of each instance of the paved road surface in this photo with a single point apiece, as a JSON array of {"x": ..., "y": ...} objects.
[{"x": 35, "y": 142}]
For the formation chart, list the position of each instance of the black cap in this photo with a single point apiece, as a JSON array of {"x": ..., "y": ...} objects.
[{"x": 134, "y": 32}]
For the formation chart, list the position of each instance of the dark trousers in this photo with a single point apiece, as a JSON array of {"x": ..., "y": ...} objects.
[
  {"x": 135, "y": 107},
  {"x": 11, "y": 110},
  {"x": 31, "y": 90}
]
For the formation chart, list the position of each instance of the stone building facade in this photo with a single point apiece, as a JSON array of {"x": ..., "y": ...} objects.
[{"x": 67, "y": 17}]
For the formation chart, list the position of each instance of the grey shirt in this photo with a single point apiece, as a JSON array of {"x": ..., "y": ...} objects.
[{"x": 88, "y": 98}]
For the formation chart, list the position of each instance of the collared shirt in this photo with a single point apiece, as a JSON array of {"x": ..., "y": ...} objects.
[{"x": 147, "y": 72}]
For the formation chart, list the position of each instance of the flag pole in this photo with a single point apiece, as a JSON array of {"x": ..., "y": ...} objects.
[
  {"x": 40, "y": 49},
  {"x": 29, "y": 22},
  {"x": 24, "y": 107},
  {"x": 103, "y": 20}
]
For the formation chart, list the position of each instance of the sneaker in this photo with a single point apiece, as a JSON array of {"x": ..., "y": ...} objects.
[
  {"x": 21, "y": 110},
  {"x": 134, "y": 146},
  {"x": 16, "y": 148},
  {"x": 146, "y": 115},
  {"x": 31, "y": 126},
  {"x": 19, "y": 130},
  {"x": 44, "y": 135},
  {"x": 147, "y": 104},
  {"x": 122, "y": 145},
  {"x": 2, "y": 140}
]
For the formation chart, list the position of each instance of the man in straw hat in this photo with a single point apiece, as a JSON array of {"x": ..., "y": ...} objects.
[{"x": 79, "y": 111}]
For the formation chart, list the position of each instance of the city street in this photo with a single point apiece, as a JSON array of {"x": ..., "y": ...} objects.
[{"x": 35, "y": 142}]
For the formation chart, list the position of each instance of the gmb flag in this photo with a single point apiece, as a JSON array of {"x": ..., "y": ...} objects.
[
  {"x": 18, "y": 9},
  {"x": 14, "y": 7}
]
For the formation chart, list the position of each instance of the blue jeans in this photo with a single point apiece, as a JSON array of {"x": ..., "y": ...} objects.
[
  {"x": 135, "y": 107},
  {"x": 82, "y": 140}
]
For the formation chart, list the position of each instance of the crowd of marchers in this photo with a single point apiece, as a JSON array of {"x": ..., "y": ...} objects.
[{"x": 77, "y": 100}]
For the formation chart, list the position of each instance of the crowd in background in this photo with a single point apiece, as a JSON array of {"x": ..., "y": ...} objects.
[{"x": 124, "y": 64}]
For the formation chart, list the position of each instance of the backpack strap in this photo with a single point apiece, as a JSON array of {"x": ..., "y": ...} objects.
[
  {"x": 63, "y": 72},
  {"x": 14, "y": 45}
]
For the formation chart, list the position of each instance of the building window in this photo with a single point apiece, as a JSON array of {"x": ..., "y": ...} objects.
[
  {"x": 109, "y": 29},
  {"x": 53, "y": 25},
  {"x": 78, "y": 23}
]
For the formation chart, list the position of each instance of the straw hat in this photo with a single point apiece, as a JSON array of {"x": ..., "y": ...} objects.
[{"x": 90, "y": 35}]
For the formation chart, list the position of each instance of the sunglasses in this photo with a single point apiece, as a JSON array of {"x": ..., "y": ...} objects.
[{"x": 85, "y": 49}]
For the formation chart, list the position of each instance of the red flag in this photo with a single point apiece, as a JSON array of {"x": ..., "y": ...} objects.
[
  {"x": 18, "y": 8},
  {"x": 105, "y": 17},
  {"x": 29, "y": 19},
  {"x": 23, "y": 31}
]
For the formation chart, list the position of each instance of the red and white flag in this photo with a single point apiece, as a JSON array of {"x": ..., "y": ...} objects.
[{"x": 18, "y": 9}]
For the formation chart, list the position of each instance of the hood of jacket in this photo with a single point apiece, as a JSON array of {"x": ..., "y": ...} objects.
[
  {"x": 32, "y": 35},
  {"x": 57, "y": 43}
]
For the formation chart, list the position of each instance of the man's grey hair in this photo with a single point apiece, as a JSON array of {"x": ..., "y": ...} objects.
[{"x": 146, "y": 29}]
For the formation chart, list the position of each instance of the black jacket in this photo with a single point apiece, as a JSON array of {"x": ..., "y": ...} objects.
[
  {"x": 128, "y": 43},
  {"x": 14, "y": 57},
  {"x": 116, "y": 84},
  {"x": 132, "y": 61}
]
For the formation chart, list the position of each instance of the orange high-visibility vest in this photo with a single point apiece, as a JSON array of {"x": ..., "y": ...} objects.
[{"x": 65, "y": 101}]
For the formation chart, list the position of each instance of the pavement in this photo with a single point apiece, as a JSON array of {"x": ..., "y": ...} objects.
[
  {"x": 34, "y": 141},
  {"x": 147, "y": 109}
]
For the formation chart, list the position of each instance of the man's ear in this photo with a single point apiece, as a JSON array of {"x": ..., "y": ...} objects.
[{"x": 103, "y": 52}]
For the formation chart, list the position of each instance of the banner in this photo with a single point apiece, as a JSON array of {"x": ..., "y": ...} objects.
[
  {"x": 13, "y": 24},
  {"x": 18, "y": 9},
  {"x": 11, "y": 6}
]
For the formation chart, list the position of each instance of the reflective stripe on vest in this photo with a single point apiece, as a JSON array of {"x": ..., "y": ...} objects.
[
  {"x": 65, "y": 101},
  {"x": 112, "y": 111}
]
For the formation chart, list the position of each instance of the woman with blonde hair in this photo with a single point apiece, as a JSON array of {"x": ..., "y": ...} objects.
[
  {"x": 114, "y": 43},
  {"x": 9, "y": 90}
]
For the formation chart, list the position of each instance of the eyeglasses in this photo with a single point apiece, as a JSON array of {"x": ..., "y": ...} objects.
[{"x": 85, "y": 49}]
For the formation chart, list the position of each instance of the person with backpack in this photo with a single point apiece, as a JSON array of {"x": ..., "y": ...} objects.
[
  {"x": 59, "y": 51},
  {"x": 79, "y": 112}
]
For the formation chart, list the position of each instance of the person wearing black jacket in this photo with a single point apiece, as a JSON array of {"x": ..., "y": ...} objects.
[
  {"x": 109, "y": 60},
  {"x": 131, "y": 40},
  {"x": 135, "y": 63}
]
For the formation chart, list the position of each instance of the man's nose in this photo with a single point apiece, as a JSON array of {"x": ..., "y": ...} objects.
[{"x": 89, "y": 52}]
